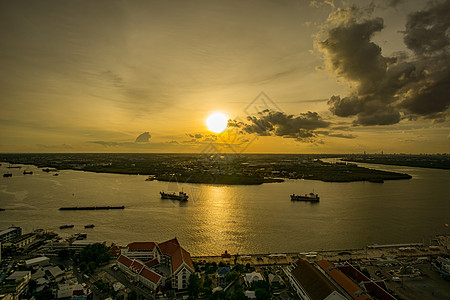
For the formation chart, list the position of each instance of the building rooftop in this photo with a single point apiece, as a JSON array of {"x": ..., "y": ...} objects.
[
  {"x": 312, "y": 280},
  {"x": 150, "y": 275},
  {"x": 342, "y": 280}
]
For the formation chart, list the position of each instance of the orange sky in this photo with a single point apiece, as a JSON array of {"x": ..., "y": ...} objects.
[{"x": 333, "y": 77}]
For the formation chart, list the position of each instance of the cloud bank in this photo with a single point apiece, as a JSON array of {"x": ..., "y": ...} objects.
[{"x": 386, "y": 89}]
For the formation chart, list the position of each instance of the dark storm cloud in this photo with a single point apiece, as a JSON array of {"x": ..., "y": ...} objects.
[
  {"x": 275, "y": 123},
  {"x": 384, "y": 88},
  {"x": 143, "y": 138}
]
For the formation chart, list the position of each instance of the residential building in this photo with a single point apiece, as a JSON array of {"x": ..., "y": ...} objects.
[
  {"x": 249, "y": 278},
  {"x": 221, "y": 276}
]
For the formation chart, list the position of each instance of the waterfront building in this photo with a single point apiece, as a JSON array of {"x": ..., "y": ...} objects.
[
  {"x": 10, "y": 234},
  {"x": 153, "y": 263},
  {"x": 310, "y": 284},
  {"x": 22, "y": 241}
]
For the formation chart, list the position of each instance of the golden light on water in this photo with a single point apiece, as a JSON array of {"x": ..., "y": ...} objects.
[{"x": 217, "y": 122}]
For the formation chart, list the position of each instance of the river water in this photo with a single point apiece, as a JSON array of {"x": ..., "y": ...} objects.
[{"x": 240, "y": 219}]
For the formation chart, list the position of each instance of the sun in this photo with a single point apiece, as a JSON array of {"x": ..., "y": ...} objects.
[{"x": 217, "y": 122}]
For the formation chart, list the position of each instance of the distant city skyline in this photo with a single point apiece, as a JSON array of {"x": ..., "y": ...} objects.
[{"x": 291, "y": 76}]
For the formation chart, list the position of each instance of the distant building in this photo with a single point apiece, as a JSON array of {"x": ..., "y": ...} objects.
[
  {"x": 10, "y": 234},
  {"x": 153, "y": 264}
]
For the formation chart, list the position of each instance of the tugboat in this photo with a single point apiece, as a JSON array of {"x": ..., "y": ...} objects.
[
  {"x": 307, "y": 197},
  {"x": 65, "y": 226},
  {"x": 172, "y": 196}
]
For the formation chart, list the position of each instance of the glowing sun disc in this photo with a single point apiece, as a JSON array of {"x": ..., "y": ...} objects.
[{"x": 217, "y": 122}]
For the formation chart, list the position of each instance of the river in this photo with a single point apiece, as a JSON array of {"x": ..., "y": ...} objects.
[{"x": 240, "y": 219}]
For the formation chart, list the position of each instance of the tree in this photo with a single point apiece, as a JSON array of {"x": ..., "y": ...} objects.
[
  {"x": 232, "y": 276},
  {"x": 238, "y": 293},
  {"x": 194, "y": 286},
  {"x": 238, "y": 268}
]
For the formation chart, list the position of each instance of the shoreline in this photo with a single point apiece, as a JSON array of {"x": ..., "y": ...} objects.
[{"x": 375, "y": 253}]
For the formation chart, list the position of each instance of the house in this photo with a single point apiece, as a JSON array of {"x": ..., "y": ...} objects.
[
  {"x": 275, "y": 280},
  {"x": 221, "y": 276},
  {"x": 153, "y": 263},
  {"x": 249, "y": 278}
]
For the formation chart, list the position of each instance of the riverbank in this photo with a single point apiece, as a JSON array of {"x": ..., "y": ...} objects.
[
  {"x": 232, "y": 169},
  {"x": 377, "y": 254}
]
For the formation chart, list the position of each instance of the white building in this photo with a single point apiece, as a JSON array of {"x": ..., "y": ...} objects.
[{"x": 153, "y": 264}]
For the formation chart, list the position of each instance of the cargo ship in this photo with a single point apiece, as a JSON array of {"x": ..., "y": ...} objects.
[
  {"x": 173, "y": 196},
  {"x": 307, "y": 197}
]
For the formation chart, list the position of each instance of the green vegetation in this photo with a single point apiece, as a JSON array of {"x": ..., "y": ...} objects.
[
  {"x": 230, "y": 169},
  {"x": 91, "y": 257}
]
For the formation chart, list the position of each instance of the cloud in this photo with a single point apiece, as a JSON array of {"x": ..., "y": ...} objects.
[
  {"x": 143, "y": 138},
  {"x": 385, "y": 89},
  {"x": 275, "y": 123}
]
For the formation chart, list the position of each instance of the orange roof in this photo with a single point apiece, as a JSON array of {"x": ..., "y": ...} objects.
[
  {"x": 141, "y": 246},
  {"x": 152, "y": 263},
  {"x": 312, "y": 280},
  {"x": 136, "y": 266},
  {"x": 346, "y": 283},
  {"x": 150, "y": 275},
  {"x": 125, "y": 260},
  {"x": 177, "y": 253}
]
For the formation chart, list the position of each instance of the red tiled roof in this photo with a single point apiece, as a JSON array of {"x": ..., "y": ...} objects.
[
  {"x": 136, "y": 266},
  {"x": 177, "y": 253},
  {"x": 346, "y": 283},
  {"x": 150, "y": 275},
  {"x": 141, "y": 246},
  {"x": 312, "y": 280},
  {"x": 125, "y": 260},
  {"x": 152, "y": 263}
]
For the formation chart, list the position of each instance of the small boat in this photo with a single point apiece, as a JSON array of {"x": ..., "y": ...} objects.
[
  {"x": 151, "y": 178},
  {"x": 27, "y": 172},
  {"x": 56, "y": 174},
  {"x": 2, "y": 209},
  {"x": 307, "y": 197},
  {"x": 89, "y": 226},
  {"x": 173, "y": 196},
  {"x": 7, "y": 175},
  {"x": 66, "y": 226}
]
